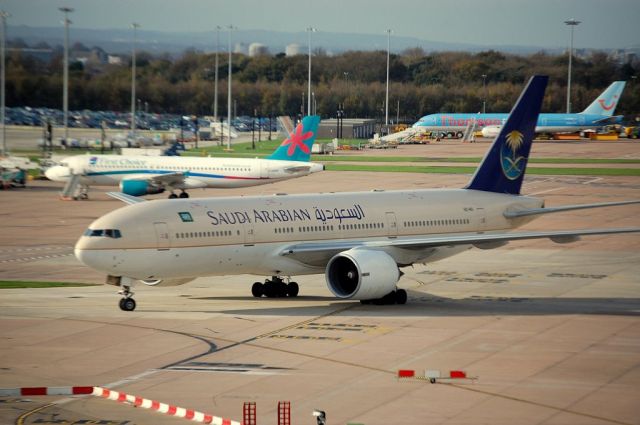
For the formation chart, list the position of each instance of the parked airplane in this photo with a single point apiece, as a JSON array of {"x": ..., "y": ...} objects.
[
  {"x": 359, "y": 240},
  {"x": 596, "y": 115},
  {"x": 142, "y": 175}
]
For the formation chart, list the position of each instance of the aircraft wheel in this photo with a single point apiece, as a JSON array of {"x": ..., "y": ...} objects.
[
  {"x": 293, "y": 289},
  {"x": 127, "y": 304},
  {"x": 257, "y": 290},
  {"x": 270, "y": 289},
  {"x": 459, "y": 134},
  {"x": 283, "y": 289},
  {"x": 184, "y": 195},
  {"x": 173, "y": 196},
  {"x": 401, "y": 296}
]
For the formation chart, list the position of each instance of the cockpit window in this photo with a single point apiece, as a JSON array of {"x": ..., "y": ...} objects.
[{"x": 109, "y": 233}]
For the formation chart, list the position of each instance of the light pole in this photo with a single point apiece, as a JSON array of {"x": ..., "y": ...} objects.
[
  {"x": 135, "y": 27},
  {"x": 484, "y": 93},
  {"x": 231, "y": 28},
  {"x": 309, "y": 30},
  {"x": 215, "y": 91},
  {"x": 65, "y": 78},
  {"x": 3, "y": 17},
  {"x": 572, "y": 23},
  {"x": 386, "y": 102}
]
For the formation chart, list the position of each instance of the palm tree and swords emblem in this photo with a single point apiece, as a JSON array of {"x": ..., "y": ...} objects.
[{"x": 512, "y": 163}]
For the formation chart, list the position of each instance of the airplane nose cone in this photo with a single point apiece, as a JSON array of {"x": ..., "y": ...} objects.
[
  {"x": 57, "y": 173},
  {"x": 91, "y": 258}
]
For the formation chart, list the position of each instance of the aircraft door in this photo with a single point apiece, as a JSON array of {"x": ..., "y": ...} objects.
[
  {"x": 249, "y": 235},
  {"x": 392, "y": 225},
  {"x": 163, "y": 241},
  {"x": 264, "y": 169},
  {"x": 480, "y": 217}
]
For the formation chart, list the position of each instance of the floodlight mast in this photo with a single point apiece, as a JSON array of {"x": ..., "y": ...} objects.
[
  {"x": 65, "y": 78},
  {"x": 3, "y": 18},
  {"x": 572, "y": 23},
  {"x": 135, "y": 27}
]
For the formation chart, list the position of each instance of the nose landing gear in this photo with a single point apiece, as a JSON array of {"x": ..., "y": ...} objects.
[
  {"x": 182, "y": 195},
  {"x": 126, "y": 303}
]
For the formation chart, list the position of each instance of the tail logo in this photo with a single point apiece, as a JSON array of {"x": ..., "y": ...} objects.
[
  {"x": 296, "y": 140},
  {"x": 608, "y": 107},
  {"x": 513, "y": 165}
]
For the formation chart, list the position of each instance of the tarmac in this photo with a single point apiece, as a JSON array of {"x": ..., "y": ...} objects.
[{"x": 551, "y": 332}]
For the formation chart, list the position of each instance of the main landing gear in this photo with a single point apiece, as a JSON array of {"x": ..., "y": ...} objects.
[
  {"x": 399, "y": 296},
  {"x": 275, "y": 287},
  {"x": 182, "y": 195},
  {"x": 126, "y": 303}
]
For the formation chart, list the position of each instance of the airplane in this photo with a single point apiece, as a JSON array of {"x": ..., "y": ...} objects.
[
  {"x": 359, "y": 240},
  {"x": 598, "y": 114},
  {"x": 144, "y": 175}
]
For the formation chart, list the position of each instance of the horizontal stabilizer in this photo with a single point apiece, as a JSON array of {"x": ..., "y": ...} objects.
[
  {"x": 609, "y": 120},
  {"x": 298, "y": 169},
  {"x": 539, "y": 211},
  {"x": 127, "y": 199}
]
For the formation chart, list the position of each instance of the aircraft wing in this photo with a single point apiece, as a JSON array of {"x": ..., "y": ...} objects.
[
  {"x": 169, "y": 179},
  {"x": 127, "y": 199},
  {"x": 314, "y": 253}
]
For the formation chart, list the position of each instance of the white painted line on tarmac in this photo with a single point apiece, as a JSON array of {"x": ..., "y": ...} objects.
[{"x": 547, "y": 191}]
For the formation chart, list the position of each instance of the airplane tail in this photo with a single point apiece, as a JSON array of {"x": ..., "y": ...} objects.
[
  {"x": 606, "y": 103},
  {"x": 503, "y": 167},
  {"x": 297, "y": 147}
]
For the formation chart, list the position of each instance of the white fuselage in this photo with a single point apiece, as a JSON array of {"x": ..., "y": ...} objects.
[
  {"x": 166, "y": 239},
  {"x": 110, "y": 170}
]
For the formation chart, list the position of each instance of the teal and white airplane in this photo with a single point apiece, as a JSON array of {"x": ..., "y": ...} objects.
[
  {"x": 143, "y": 175},
  {"x": 358, "y": 240},
  {"x": 596, "y": 115}
]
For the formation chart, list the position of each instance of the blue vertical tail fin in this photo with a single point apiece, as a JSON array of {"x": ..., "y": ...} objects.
[
  {"x": 297, "y": 147},
  {"x": 606, "y": 103},
  {"x": 503, "y": 167}
]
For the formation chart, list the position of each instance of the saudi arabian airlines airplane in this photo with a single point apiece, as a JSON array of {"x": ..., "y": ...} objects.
[
  {"x": 144, "y": 175},
  {"x": 359, "y": 240},
  {"x": 596, "y": 115}
]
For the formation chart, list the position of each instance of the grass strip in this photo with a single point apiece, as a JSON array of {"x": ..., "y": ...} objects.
[{"x": 19, "y": 284}]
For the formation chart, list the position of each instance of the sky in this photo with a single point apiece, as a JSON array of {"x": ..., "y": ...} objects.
[{"x": 605, "y": 23}]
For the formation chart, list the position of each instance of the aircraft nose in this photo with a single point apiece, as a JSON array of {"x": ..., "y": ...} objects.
[
  {"x": 91, "y": 258},
  {"x": 57, "y": 173}
]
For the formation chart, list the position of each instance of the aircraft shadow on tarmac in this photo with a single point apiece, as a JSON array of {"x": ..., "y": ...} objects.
[{"x": 423, "y": 304}]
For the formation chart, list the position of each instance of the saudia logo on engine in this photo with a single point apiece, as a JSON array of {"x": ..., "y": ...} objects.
[{"x": 512, "y": 163}]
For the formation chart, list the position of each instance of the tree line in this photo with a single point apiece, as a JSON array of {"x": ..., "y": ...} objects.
[{"x": 355, "y": 81}]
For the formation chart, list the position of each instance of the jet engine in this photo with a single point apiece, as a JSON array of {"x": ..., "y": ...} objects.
[
  {"x": 167, "y": 282},
  {"x": 362, "y": 274},
  {"x": 139, "y": 188},
  {"x": 491, "y": 131}
]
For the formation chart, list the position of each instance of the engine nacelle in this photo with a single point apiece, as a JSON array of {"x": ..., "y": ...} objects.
[
  {"x": 139, "y": 188},
  {"x": 491, "y": 131},
  {"x": 167, "y": 282},
  {"x": 362, "y": 274}
]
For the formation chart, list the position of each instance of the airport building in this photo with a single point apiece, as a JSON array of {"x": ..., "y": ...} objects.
[
  {"x": 352, "y": 128},
  {"x": 293, "y": 50},
  {"x": 258, "y": 49}
]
